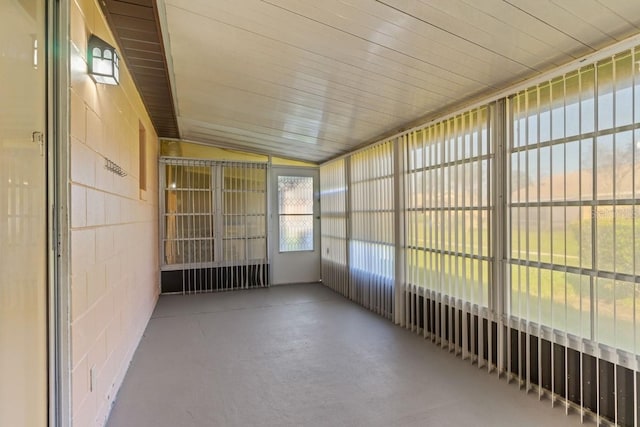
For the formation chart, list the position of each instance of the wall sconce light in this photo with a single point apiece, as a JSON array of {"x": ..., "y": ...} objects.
[{"x": 103, "y": 61}]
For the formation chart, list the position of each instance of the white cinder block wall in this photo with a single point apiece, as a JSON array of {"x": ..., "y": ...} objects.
[{"x": 114, "y": 226}]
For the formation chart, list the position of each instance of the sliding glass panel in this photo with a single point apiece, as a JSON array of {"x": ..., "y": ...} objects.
[{"x": 23, "y": 220}]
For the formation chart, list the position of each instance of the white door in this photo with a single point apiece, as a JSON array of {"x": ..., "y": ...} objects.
[
  {"x": 295, "y": 225},
  {"x": 23, "y": 226}
]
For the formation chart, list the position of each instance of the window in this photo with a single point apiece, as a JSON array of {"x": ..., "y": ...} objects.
[
  {"x": 244, "y": 212},
  {"x": 189, "y": 222},
  {"x": 214, "y": 213},
  {"x": 295, "y": 209},
  {"x": 448, "y": 206},
  {"x": 372, "y": 210},
  {"x": 333, "y": 190},
  {"x": 372, "y": 226},
  {"x": 575, "y": 229}
]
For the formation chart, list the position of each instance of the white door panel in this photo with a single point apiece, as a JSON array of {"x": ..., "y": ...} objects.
[{"x": 295, "y": 225}]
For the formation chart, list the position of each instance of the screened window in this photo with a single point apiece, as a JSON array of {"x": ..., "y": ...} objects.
[
  {"x": 214, "y": 213},
  {"x": 448, "y": 209},
  {"x": 372, "y": 243},
  {"x": 574, "y": 224},
  {"x": 189, "y": 205},
  {"x": 372, "y": 211},
  {"x": 333, "y": 212},
  {"x": 333, "y": 209},
  {"x": 243, "y": 213}
]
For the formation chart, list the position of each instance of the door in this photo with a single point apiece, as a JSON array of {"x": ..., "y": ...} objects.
[
  {"x": 295, "y": 225},
  {"x": 23, "y": 227}
]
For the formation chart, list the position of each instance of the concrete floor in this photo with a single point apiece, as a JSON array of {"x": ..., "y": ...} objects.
[{"x": 304, "y": 356}]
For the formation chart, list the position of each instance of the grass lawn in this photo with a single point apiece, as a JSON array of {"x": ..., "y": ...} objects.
[{"x": 604, "y": 310}]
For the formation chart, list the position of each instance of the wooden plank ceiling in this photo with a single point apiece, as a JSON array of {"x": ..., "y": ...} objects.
[
  {"x": 136, "y": 27},
  {"x": 313, "y": 79}
]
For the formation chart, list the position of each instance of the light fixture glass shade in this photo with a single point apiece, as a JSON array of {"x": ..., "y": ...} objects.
[{"x": 103, "y": 61}]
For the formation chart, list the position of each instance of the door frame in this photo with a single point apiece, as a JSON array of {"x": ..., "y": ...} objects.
[
  {"x": 58, "y": 212},
  {"x": 274, "y": 228}
]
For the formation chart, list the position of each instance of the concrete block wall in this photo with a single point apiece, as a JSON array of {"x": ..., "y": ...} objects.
[{"x": 114, "y": 226}]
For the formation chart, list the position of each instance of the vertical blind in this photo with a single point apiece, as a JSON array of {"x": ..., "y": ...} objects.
[
  {"x": 213, "y": 225},
  {"x": 448, "y": 214},
  {"x": 357, "y": 213},
  {"x": 333, "y": 217},
  {"x": 448, "y": 208},
  {"x": 372, "y": 243},
  {"x": 520, "y": 241},
  {"x": 575, "y": 246}
]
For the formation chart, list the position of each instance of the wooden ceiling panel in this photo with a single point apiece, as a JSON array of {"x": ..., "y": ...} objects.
[
  {"x": 136, "y": 27},
  {"x": 123, "y": 22},
  {"x": 145, "y": 57},
  {"x": 149, "y": 46},
  {"x": 126, "y": 8},
  {"x": 145, "y": 3}
]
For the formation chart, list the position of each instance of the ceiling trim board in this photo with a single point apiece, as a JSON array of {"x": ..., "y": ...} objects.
[
  {"x": 230, "y": 148},
  {"x": 259, "y": 148},
  {"x": 135, "y": 26},
  {"x": 161, "y": 15}
]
